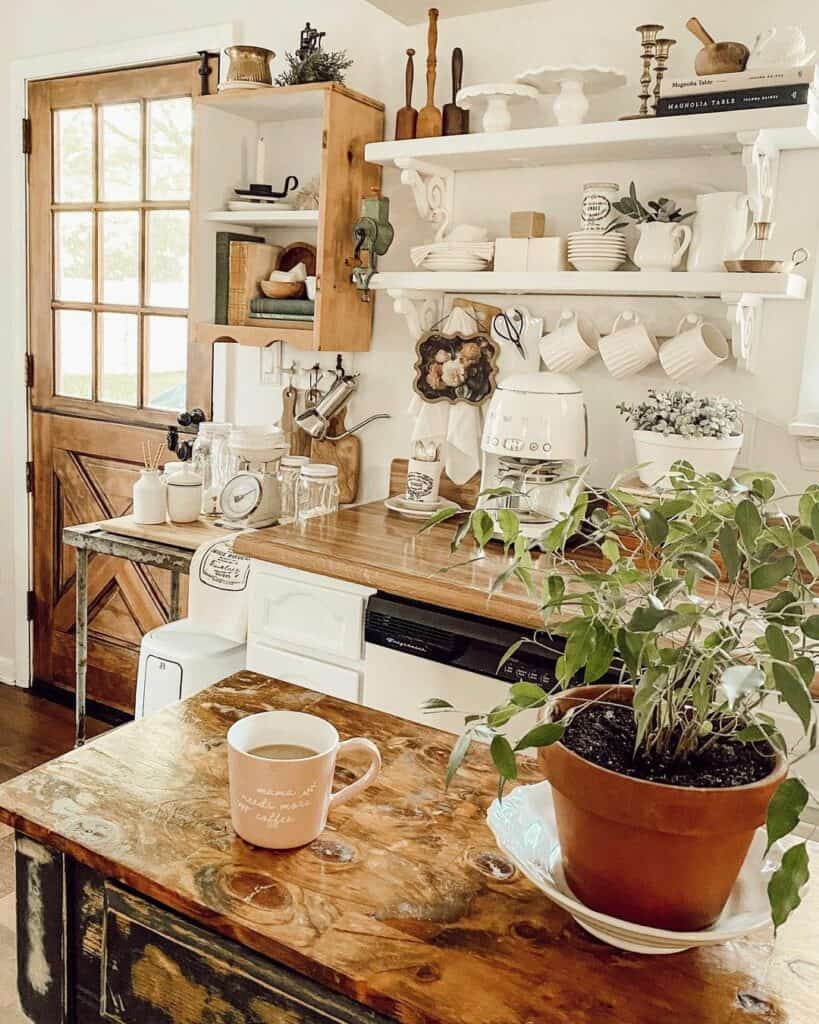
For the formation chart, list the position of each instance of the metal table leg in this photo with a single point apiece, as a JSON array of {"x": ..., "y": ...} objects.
[
  {"x": 81, "y": 640},
  {"x": 174, "y": 608}
]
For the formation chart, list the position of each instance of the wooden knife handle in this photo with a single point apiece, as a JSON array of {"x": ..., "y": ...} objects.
[
  {"x": 457, "y": 71},
  {"x": 694, "y": 26},
  {"x": 432, "y": 58},
  {"x": 410, "y": 76}
]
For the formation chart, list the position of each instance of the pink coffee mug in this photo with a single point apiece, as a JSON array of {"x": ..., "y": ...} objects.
[{"x": 281, "y": 804}]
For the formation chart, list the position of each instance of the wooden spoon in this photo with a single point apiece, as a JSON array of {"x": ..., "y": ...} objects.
[
  {"x": 407, "y": 117},
  {"x": 430, "y": 122}
]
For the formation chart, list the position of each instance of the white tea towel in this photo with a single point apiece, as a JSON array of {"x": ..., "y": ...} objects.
[{"x": 217, "y": 593}]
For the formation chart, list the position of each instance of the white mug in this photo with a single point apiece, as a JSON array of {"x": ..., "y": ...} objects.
[
  {"x": 696, "y": 348},
  {"x": 423, "y": 480},
  {"x": 629, "y": 348},
  {"x": 573, "y": 342},
  {"x": 184, "y": 491}
]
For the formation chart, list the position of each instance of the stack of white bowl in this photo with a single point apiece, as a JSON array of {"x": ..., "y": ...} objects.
[
  {"x": 464, "y": 256},
  {"x": 596, "y": 250}
]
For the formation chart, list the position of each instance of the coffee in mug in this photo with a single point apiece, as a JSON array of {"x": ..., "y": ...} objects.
[{"x": 281, "y": 766}]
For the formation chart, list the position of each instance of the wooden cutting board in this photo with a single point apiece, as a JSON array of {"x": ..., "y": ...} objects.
[
  {"x": 298, "y": 439},
  {"x": 345, "y": 454}
]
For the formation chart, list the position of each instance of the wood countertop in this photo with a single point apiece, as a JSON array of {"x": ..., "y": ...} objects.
[
  {"x": 376, "y": 548},
  {"x": 403, "y": 904}
]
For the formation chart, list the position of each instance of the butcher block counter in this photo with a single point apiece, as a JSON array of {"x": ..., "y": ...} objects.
[
  {"x": 376, "y": 548},
  {"x": 138, "y": 903}
]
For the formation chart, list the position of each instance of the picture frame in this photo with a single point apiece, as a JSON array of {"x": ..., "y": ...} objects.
[{"x": 455, "y": 367}]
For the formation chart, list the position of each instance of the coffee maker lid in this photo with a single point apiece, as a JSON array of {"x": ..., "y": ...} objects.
[{"x": 540, "y": 384}]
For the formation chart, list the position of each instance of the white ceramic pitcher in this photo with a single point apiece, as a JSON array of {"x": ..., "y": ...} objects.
[{"x": 722, "y": 229}]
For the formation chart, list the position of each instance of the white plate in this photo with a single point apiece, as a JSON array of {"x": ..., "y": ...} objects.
[
  {"x": 413, "y": 510},
  {"x": 525, "y": 830},
  {"x": 592, "y": 265}
]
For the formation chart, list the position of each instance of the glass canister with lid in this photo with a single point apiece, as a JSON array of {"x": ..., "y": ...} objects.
[
  {"x": 290, "y": 469},
  {"x": 210, "y": 460},
  {"x": 317, "y": 491}
]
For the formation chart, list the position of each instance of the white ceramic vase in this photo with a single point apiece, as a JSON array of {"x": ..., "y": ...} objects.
[
  {"x": 656, "y": 454},
  {"x": 149, "y": 498},
  {"x": 662, "y": 245}
]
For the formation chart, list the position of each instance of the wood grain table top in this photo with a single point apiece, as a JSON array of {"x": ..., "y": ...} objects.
[
  {"x": 187, "y": 536},
  {"x": 404, "y": 903}
]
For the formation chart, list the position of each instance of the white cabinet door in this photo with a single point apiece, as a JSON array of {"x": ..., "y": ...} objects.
[
  {"x": 291, "y": 609},
  {"x": 294, "y": 668}
]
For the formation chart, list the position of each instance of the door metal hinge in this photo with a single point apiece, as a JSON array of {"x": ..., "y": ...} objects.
[
  {"x": 29, "y": 478},
  {"x": 324, "y": 139},
  {"x": 29, "y": 370},
  {"x": 26, "y": 140},
  {"x": 31, "y": 605}
]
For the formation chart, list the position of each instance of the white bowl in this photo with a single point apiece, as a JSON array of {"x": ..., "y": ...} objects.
[{"x": 588, "y": 264}]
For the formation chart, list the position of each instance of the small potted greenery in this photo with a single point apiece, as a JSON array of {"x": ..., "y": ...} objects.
[
  {"x": 658, "y": 740},
  {"x": 664, "y": 239},
  {"x": 670, "y": 426}
]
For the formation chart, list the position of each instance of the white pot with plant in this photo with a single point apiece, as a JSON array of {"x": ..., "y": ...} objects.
[
  {"x": 657, "y": 740},
  {"x": 664, "y": 239},
  {"x": 674, "y": 426}
]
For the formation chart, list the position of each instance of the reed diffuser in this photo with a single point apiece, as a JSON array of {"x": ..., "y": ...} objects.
[{"x": 149, "y": 492}]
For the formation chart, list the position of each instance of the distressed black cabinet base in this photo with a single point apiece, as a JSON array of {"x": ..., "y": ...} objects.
[{"x": 90, "y": 951}]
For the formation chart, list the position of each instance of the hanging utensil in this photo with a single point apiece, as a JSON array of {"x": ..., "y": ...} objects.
[
  {"x": 430, "y": 122},
  {"x": 407, "y": 117},
  {"x": 455, "y": 118}
]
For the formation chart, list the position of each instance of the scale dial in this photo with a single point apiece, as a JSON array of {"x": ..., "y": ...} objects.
[{"x": 241, "y": 496}]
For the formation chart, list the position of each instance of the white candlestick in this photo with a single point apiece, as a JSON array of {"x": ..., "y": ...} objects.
[{"x": 259, "y": 179}]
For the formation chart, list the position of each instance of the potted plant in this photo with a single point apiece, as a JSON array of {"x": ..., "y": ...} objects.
[
  {"x": 664, "y": 239},
  {"x": 670, "y": 426},
  {"x": 658, "y": 740}
]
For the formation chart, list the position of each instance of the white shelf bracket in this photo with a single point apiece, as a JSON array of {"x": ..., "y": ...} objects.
[
  {"x": 745, "y": 317},
  {"x": 433, "y": 188},
  {"x": 760, "y": 158},
  {"x": 421, "y": 310}
]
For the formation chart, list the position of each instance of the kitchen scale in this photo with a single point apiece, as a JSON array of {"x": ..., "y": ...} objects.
[{"x": 251, "y": 498}]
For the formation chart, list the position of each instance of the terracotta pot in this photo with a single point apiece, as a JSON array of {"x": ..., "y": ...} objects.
[{"x": 659, "y": 855}]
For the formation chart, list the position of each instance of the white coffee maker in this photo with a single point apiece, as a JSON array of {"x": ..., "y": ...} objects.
[{"x": 535, "y": 440}]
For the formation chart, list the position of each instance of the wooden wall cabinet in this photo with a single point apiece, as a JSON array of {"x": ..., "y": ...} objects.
[{"x": 319, "y": 130}]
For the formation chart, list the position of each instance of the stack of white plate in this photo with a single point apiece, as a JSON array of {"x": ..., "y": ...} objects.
[
  {"x": 464, "y": 256},
  {"x": 593, "y": 250}
]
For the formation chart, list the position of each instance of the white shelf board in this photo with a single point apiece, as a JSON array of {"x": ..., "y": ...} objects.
[
  {"x": 266, "y": 218},
  {"x": 681, "y": 283},
  {"x": 783, "y": 128}
]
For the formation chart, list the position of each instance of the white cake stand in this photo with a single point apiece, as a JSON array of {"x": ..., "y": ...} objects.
[
  {"x": 497, "y": 97},
  {"x": 572, "y": 83}
]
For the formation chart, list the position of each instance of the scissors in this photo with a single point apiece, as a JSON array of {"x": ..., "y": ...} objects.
[{"x": 510, "y": 328}]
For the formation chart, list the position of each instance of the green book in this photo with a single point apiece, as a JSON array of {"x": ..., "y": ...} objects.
[
  {"x": 306, "y": 307},
  {"x": 223, "y": 240}
]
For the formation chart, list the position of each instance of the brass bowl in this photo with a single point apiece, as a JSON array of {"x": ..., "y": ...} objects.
[
  {"x": 249, "y": 64},
  {"x": 767, "y": 266}
]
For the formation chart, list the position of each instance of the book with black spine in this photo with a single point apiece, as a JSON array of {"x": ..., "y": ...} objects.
[
  {"x": 755, "y": 78},
  {"x": 743, "y": 99}
]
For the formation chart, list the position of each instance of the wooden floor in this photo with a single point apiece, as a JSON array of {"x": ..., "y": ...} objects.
[{"x": 34, "y": 730}]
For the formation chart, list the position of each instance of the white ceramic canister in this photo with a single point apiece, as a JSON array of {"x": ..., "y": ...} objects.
[
  {"x": 597, "y": 210},
  {"x": 184, "y": 490},
  {"x": 149, "y": 498}
]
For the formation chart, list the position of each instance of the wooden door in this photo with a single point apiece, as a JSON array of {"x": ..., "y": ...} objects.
[{"x": 109, "y": 342}]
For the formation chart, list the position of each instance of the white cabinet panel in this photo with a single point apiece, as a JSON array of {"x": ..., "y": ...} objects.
[
  {"x": 294, "y": 668},
  {"x": 306, "y": 615}
]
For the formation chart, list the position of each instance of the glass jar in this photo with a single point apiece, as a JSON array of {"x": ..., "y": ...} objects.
[
  {"x": 317, "y": 491},
  {"x": 210, "y": 441},
  {"x": 290, "y": 469},
  {"x": 597, "y": 211}
]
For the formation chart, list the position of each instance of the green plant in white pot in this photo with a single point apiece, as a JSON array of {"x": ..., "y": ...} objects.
[
  {"x": 670, "y": 426},
  {"x": 678, "y": 626}
]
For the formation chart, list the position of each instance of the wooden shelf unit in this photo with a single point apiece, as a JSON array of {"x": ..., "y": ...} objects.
[{"x": 337, "y": 123}]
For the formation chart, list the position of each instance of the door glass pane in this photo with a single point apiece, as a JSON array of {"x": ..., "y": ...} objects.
[
  {"x": 73, "y": 353},
  {"x": 118, "y": 351},
  {"x": 167, "y": 341},
  {"x": 167, "y": 284},
  {"x": 73, "y": 277},
  {"x": 120, "y": 257},
  {"x": 74, "y": 155},
  {"x": 120, "y": 152},
  {"x": 169, "y": 148}
]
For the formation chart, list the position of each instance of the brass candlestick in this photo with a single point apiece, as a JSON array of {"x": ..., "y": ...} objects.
[
  {"x": 662, "y": 48},
  {"x": 648, "y": 39}
]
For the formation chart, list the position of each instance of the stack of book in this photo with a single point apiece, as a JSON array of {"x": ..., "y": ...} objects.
[{"x": 743, "y": 90}]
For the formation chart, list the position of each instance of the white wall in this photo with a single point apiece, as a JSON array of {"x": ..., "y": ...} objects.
[{"x": 496, "y": 46}]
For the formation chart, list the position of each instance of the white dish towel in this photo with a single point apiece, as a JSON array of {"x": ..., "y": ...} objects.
[
  {"x": 457, "y": 427},
  {"x": 217, "y": 592}
]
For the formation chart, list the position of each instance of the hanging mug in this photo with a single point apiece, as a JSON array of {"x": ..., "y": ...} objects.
[
  {"x": 696, "y": 348},
  {"x": 629, "y": 348},
  {"x": 572, "y": 343}
]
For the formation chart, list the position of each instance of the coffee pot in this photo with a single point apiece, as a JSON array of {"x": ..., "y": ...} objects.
[{"x": 315, "y": 421}]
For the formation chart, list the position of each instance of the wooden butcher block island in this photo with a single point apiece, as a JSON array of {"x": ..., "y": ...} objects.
[{"x": 138, "y": 903}]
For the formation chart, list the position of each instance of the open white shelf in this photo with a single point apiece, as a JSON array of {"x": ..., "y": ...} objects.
[
  {"x": 777, "y": 128},
  {"x": 570, "y": 282},
  {"x": 266, "y": 218}
]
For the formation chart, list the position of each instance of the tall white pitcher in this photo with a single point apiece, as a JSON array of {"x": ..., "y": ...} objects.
[{"x": 722, "y": 229}]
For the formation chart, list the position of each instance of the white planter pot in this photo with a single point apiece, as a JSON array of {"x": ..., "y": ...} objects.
[
  {"x": 661, "y": 451},
  {"x": 662, "y": 245}
]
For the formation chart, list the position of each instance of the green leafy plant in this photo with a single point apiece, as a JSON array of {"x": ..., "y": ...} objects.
[
  {"x": 685, "y": 413},
  {"x": 703, "y": 600},
  {"x": 319, "y": 66},
  {"x": 662, "y": 209}
]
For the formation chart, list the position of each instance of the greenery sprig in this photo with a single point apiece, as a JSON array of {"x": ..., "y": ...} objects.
[
  {"x": 662, "y": 210},
  {"x": 319, "y": 66}
]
